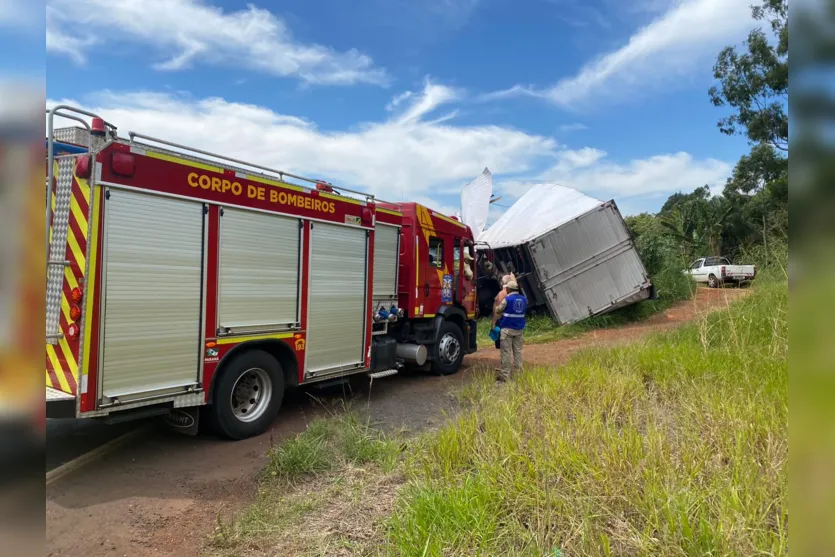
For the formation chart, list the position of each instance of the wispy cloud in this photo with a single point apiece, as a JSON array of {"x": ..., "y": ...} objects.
[
  {"x": 590, "y": 171},
  {"x": 190, "y": 32},
  {"x": 680, "y": 41},
  {"x": 573, "y": 127}
]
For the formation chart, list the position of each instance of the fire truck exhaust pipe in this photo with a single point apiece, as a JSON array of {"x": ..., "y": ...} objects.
[{"x": 416, "y": 353}]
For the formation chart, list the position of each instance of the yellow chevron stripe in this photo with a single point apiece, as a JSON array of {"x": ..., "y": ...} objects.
[
  {"x": 92, "y": 251},
  {"x": 80, "y": 218},
  {"x": 70, "y": 359},
  {"x": 65, "y": 308},
  {"x": 59, "y": 371},
  {"x": 49, "y": 380},
  {"x": 448, "y": 219},
  {"x": 84, "y": 187},
  {"x": 76, "y": 249},
  {"x": 70, "y": 277}
]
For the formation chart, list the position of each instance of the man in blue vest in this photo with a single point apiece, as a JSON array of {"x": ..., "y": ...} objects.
[{"x": 512, "y": 324}]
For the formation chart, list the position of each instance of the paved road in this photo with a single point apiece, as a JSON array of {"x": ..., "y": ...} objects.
[{"x": 67, "y": 439}]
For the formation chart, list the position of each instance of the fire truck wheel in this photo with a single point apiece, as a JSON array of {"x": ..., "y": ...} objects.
[
  {"x": 450, "y": 351},
  {"x": 248, "y": 395}
]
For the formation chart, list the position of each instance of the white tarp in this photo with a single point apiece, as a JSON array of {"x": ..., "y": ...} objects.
[
  {"x": 543, "y": 208},
  {"x": 475, "y": 202}
]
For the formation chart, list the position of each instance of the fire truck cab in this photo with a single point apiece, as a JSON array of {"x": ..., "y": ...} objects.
[{"x": 180, "y": 279}]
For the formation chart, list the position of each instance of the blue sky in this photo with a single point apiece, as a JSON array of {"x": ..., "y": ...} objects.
[{"x": 411, "y": 99}]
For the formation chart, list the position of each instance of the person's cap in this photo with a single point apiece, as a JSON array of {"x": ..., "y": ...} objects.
[{"x": 512, "y": 285}]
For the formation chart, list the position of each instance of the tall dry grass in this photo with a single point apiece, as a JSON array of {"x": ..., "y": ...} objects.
[{"x": 674, "y": 446}]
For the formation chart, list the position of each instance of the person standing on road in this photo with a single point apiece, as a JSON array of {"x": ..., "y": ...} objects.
[
  {"x": 500, "y": 296},
  {"x": 512, "y": 324}
]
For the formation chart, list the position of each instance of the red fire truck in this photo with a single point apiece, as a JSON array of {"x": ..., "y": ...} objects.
[{"x": 180, "y": 279}]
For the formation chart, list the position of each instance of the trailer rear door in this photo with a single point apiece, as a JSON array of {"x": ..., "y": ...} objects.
[
  {"x": 153, "y": 292},
  {"x": 589, "y": 265}
]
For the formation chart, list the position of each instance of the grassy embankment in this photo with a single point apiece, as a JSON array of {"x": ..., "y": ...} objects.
[
  {"x": 671, "y": 286},
  {"x": 676, "y": 445},
  {"x": 673, "y": 446}
]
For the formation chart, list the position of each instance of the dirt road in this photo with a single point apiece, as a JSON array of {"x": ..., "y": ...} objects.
[{"x": 161, "y": 495}]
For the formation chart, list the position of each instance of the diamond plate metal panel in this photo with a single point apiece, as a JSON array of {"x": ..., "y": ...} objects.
[
  {"x": 61, "y": 199},
  {"x": 74, "y": 135}
]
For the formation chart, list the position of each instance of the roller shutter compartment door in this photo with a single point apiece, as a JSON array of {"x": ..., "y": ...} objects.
[
  {"x": 153, "y": 265},
  {"x": 337, "y": 312},
  {"x": 386, "y": 253},
  {"x": 259, "y": 270}
]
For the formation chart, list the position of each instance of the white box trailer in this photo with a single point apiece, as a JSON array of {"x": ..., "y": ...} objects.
[{"x": 570, "y": 252}]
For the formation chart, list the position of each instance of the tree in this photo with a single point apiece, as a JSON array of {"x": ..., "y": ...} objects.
[
  {"x": 697, "y": 222},
  {"x": 758, "y": 170},
  {"x": 755, "y": 82}
]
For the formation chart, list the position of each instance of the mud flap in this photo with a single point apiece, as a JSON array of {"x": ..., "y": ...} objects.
[
  {"x": 472, "y": 334},
  {"x": 184, "y": 420}
]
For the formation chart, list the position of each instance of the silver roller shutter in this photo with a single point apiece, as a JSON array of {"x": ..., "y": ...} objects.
[
  {"x": 259, "y": 270},
  {"x": 386, "y": 252},
  {"x": 153, "y": 260},
  {"x": 337, "y": 311}
]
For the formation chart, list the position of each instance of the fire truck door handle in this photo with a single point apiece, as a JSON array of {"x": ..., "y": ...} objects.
[{"x": 426, "y": 289}]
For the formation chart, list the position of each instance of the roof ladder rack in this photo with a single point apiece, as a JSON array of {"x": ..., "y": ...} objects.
[{"x": 280, "y": 173}]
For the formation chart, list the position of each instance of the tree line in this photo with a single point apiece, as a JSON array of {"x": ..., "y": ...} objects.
[{"x": 750, "y": 218}]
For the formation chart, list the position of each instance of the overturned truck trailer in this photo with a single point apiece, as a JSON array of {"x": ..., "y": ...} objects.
[{"x": 569, "y": 252}]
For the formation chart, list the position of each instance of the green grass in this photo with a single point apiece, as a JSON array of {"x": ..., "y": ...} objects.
[
  {"x": 330, "y": 443},
  {"x": 673, "y": 446},
  {"x": 303, "y": 477}
]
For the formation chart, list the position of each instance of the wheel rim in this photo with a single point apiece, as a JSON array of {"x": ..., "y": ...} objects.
[
  {"x": 711, "y": 281},
  {"x": 449, "y": 349},
  {"x": 251, "y": 395}
]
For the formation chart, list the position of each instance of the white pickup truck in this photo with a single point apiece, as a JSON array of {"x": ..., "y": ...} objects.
[{"x": 718, "y": 270}]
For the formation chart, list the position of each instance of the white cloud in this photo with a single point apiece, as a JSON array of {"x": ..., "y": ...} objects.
[
  {"x": 186, "y": 32},
  {"x": 680, "y": 41},
  {"x": 403, "y": 157},
  {"x": 409, "y": 156},
  {"x": 18, "y": 12},
  {"x": 658, "y": 176}
]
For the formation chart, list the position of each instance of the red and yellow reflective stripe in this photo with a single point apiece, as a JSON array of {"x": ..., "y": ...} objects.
[{"x": 62, "y": 358}]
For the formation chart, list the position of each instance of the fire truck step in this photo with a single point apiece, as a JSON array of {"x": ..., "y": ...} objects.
[
  {"x": 137, "y": 414},
  {"x": 384, "y": 373}
]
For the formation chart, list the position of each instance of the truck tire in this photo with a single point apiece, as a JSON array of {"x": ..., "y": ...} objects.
[
  {"x": 712, "y": 281},
  {"x": 247, "y": 395},
  {"x": 449, "y": 353}
]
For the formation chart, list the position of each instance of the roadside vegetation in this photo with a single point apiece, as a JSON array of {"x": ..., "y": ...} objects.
[
  {"x": 674, "y": 446},
  {"x": 323, "y": 492}
]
